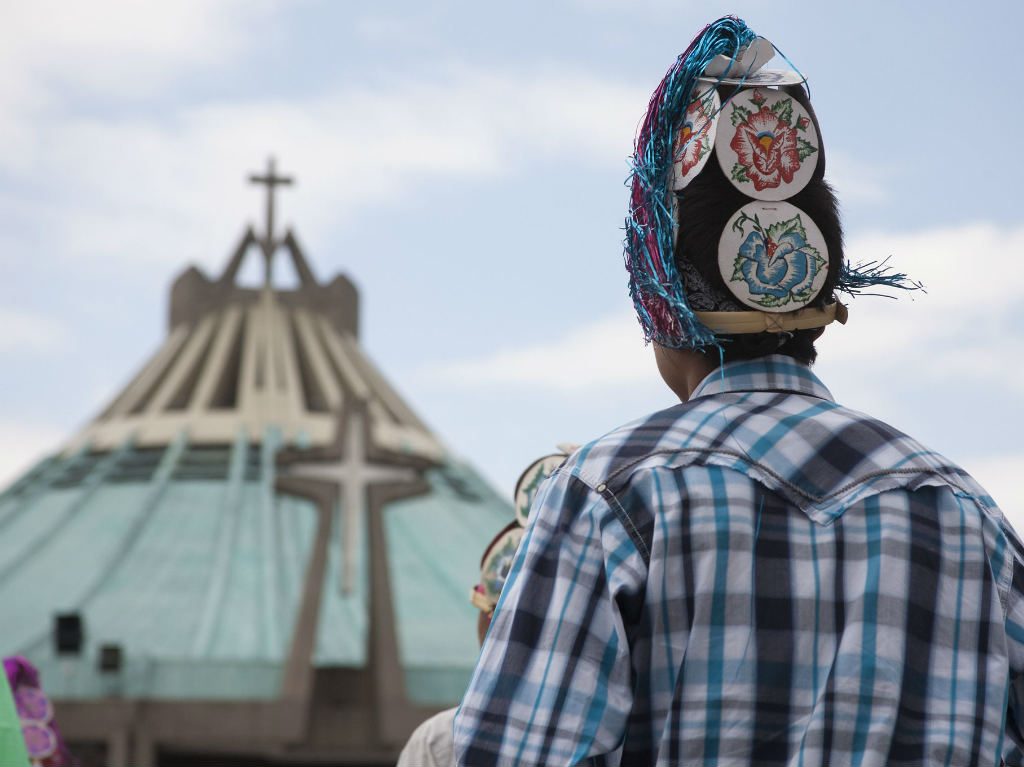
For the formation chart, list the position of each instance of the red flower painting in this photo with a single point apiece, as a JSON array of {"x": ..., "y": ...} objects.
[
  {"x": 767, "y": 149},
  {"x": 692, "y": 142}
]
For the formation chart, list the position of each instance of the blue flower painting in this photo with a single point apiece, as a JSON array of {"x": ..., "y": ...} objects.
[{"x": 777, "y": 264}]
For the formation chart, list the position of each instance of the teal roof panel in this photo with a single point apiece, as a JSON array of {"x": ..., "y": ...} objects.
[{"x": 188, "y": 561}]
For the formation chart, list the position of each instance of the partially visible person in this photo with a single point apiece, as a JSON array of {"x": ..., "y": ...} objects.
[
  {"x": 430, "y": 744},
  {"x": 40, "y": 734},
  {"x": 12, "y": 743},
  {"x": 758, "y": 575}
]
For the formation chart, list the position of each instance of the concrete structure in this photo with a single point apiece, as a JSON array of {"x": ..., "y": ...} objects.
[{"x": 269, "y": 551}]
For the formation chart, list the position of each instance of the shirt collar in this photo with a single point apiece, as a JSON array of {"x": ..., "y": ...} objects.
[{"x": 776, "y": 372}]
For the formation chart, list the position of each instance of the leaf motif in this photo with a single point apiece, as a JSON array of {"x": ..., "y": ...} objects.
[
  {"x": 740, "y": 114},
  {"x": 803, "y": 296},
  {"x": 812, "y": 251},
  {"x": 804, "y": 148},
  {"x": 739, "y": 173},
  {"x": 788, "y": 226},
  {"x": 784, "y": 110},
  {"x": 737, "y": 225},
  {"x": 737, "y": 270},
  {"x": 770, "y": 300}
]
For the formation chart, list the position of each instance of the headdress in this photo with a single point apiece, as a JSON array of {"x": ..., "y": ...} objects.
[
  {"x": 773, "y": 259},
  {"x": 42, "y": 737},
  {"x": 496, "y": 562}
]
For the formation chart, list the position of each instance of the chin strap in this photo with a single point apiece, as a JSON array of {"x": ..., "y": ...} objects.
[{"x": 741, "y": 323}]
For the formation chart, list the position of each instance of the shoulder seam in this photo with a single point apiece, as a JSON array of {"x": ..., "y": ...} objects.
[
  {"x": 941, "y": 471},
  {"x": 620, "y": 513}
]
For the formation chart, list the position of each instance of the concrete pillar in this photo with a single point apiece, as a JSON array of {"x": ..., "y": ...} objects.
[
  {"x": 117, "y": 749},
  {"x": 143, "y": 750}
]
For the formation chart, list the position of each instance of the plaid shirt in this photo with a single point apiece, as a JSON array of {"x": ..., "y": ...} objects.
[{"x": 757, "y": 576}]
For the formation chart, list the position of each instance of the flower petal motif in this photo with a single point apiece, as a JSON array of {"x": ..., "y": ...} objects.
[
  {"x": 767, "y": 147},
  {"x": 692, "y": 141},
  {"x": 782, "y": 271}
]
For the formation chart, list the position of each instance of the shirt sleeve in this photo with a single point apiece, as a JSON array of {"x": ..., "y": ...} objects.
[
  {"x": 430, "y": 745},
  {"x": 553, "y": 685},
  {"x": 1014, "y": 755}
]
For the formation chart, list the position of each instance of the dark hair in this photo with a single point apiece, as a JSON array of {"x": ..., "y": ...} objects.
[{"x": 706, "y": 205}]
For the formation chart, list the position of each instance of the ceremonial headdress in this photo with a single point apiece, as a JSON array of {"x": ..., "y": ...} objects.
[
  {"x": 719, "y": 111},
  {"x": 496, "y": 562}
]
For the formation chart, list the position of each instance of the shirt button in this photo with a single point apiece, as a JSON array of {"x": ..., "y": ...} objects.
[{"x": 602, "y": 487}]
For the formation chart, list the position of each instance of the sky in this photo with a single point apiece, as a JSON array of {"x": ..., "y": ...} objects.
[{"x": 464, "y": 163}]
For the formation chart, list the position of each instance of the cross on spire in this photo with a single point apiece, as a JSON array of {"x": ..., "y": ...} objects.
[
  {"x": 352, "y": 475},
  {"x": 268, "y": 242}
]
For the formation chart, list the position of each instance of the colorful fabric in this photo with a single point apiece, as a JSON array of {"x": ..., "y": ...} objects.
[
  {"x": 39, "y": 730},
  {"x": 758, "y": 576},
  {"x": 12, "y": 744}
]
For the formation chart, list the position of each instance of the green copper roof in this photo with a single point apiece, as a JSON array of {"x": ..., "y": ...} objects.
[{"x": 186, "y": 558}]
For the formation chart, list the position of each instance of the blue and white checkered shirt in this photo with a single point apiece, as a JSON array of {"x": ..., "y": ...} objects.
[{"x": 757, "y": 576}]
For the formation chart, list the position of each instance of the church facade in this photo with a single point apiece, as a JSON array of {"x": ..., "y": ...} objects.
[{"x": 257, "y": 553}]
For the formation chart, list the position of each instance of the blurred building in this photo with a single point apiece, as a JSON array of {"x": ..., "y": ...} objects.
[{"x": 257, "y": 553}]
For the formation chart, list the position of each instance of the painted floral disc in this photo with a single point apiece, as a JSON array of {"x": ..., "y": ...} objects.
[
  {"x": 696, "y": 137},
  {"x": 32, "y": 703},
  {"x": 529, "y": 481},
  {"x": 40, "y": 740},
  {"x": 767, "y": 144},
  {"x": 498, "y": 562},
  {"x": 773, "y": 257}
]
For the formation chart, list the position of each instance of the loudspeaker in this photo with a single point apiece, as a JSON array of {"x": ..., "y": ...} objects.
[
  {"x": 68, "y": 633},
  {"x": 110, "y": 658}
]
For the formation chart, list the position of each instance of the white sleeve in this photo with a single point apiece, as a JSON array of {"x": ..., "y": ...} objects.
[{"x": 430, "y": 744}]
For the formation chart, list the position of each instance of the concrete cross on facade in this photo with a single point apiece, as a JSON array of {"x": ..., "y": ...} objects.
[
  {"x": 352, "y": 476},
  {"x": 269, "y": 242}
]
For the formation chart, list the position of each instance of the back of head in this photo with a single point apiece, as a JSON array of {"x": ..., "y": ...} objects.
[
  {"x": 703, "y": 210},
  {"x": 734, "y": 244}
]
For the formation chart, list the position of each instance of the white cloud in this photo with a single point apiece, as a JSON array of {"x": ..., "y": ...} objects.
[
  {"x": 606, "y": 353},
  {"x": 126, "y": 184},
  {"x": 20, "y": 331},
  {"x": 957, "y": 329},
  {"x": 960, "y": 327},
  {"x": 22, "y": 444},
  {"x": 105, "y": 47},
  {"x": 88, "y": 44},
  {"x": 854, "y": 180},
  {"x": 1000, "y": 476},
  {"x": 164, "y": 190}
]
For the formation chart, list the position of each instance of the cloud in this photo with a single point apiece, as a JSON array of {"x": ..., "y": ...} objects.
[
  {"x": 959, "y": 329},
  {"x": 159, "y": 189},
  {"x": 22, "y": 445},
  {"x": 107, "y": 48},
  {"x": 24, "y": 331},
  {"x": 115, "y": 162},
  {"x": 854, "y": 180},
  {"x": 608, "y": 353},
  {"x": 87, "y": 44},
  {"x": 1001, "y": 477},
  {"x": 962, "y": 327}
]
